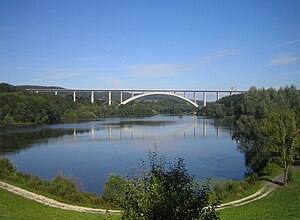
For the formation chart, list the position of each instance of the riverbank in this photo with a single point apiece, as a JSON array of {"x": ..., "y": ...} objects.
[
  {"x": 282, "y": 203},
  {"x": 266, "y": 208}
]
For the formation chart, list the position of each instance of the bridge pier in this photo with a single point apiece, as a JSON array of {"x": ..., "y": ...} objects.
[
  {"x": 204, "y": 99},
  {"x": 121, "y": 97},
  {"x": 184, "y": 94},
  {"x": 55, "y": 93},
  {"x": 92, "y": 97},
  {"x": 74, "y": 96},
  {"x": 195, "y": 101},
  {"x": 109, "y": 98},
  {"x": 218, "y": 96}
]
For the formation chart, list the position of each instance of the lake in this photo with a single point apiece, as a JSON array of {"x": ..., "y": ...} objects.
[{"x": 89, "y": 151}]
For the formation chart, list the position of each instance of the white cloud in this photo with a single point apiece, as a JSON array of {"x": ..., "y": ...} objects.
[
  {"x": 219, "y": 54},
  {"x": 161, "y": 70},
  {"x": 286, "y": 59},
  {"x": 289, "y": 42}
]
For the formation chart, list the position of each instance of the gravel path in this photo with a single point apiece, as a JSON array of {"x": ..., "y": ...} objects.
[
  {"x": 264, "y": 191},
  {"x": 51, "y": 202}
]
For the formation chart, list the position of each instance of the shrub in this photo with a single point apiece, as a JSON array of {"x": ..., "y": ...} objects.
[
  {"x": 8, "y": 120},
  {"x": 114, "y": 188},
  {"x": 162, "y": 193},
  {"x": 64, "y": 187},
  {"x": 6, "y": 167}
]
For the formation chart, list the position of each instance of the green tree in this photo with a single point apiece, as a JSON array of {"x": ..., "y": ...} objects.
[
  {"x": 219, "y": 111},
  {"x": 113, "y": 189},
  {"x": 162, "y": 193},
  {"x": 6, "y": 167},
  {"x": 281, "y": 136}
]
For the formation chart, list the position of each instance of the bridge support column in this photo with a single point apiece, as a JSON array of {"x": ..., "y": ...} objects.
[
  {"x": 204, "y": 99},
  {"x": 74, "y": 96},
  {"x": 37, "y": 92},
  {"x": 195, "y": 101},
  {"x": 92, "y": 96},
  {"x": 218, "y": 96},
  {"x": 121, "y": 97},
  {"x": 109, "y": 98},
  {"x": 132, "y": 94},
  {"x": 55, "y": 93},
  {"x": 184, "y": 94}
]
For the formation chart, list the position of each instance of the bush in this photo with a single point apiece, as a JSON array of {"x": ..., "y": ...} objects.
[
  {"x": 114, "y": 188},
  {"x": 8, "y": 120},
  {"x": 6, "y": 168},
  {"x": 165, "y": 193},
  {"x": 65, "y": 187}
]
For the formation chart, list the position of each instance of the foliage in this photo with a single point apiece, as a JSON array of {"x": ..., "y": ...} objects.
[
  {"x": 234, "y": 189},
  {"x": 65, "y": 187},
  {"x": 62, "y": 188},
  {"x": 114, "y": 188},
  {"x": 256, "y": 102},
  {"x": 6, "y": 167},
  {"x": 162, "y": 193},
  {"x": 17, "y": 106},
  {"x": 274, "y": 139},
  {"x": 281, "y": 136},
  {"x": 284, "y": 203}
]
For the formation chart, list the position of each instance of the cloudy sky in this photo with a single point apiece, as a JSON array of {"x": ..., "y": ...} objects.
[{"x": 157, "y": 44}]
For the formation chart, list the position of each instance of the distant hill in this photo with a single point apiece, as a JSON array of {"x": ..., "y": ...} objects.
[{"x": 39, "y": 87}]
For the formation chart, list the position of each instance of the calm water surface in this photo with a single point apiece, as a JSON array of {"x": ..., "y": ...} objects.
[{"x": 90, "y": 151}]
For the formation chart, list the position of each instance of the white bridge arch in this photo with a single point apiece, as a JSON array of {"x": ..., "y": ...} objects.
[{"x": 159, "y": 93}]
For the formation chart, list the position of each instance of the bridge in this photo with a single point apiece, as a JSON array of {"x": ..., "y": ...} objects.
[{"x": 136, "y": 94}]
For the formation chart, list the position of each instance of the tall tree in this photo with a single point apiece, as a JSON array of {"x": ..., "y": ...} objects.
[{"x": 281, "y": 135}]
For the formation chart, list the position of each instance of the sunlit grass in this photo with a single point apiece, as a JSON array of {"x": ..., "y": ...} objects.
[
  {"x": 284, "y": 203},
  {"x": 13, "y": 206}
]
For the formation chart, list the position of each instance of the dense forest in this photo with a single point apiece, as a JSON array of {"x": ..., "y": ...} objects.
[
  {"x": 18, "y": 106},
  {"x": 268, "y": 126},
  {"x": 256, "y": 102}
]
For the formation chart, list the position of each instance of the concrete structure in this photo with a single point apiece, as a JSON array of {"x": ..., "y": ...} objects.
[{"x": 136, "y": 94}]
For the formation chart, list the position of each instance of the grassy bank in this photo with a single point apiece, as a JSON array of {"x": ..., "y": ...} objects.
[
  {"x": 284, "y": 203},
  {"x": 13, "y": 206}
]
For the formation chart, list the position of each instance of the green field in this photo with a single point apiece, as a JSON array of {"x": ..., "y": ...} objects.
[
  {"x": 16, "y": 207},
  {"x": 284, "y": 203}
]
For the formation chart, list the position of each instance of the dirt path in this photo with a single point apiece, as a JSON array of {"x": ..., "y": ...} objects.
[
  {"x": 264, "y": 191},
  {"x": 51, "y": 202}
]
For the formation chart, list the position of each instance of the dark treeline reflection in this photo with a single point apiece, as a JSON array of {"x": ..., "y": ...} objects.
[{"x": 11, "y": 142}]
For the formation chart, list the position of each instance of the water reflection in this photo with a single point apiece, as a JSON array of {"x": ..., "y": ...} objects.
[
  {"x": 92, "y": 150},
  {"x": 140, "y": 130},
  {"x": 16, "y": 139}
]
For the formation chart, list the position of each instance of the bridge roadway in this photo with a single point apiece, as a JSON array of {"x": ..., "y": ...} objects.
[{"x": 138, "y": 93}]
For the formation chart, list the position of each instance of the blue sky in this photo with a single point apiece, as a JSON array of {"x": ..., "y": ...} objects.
[{"x": 153, "y": 44}]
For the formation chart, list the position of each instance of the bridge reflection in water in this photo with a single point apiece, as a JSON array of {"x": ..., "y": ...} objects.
[{"x": 194, "y": 129}]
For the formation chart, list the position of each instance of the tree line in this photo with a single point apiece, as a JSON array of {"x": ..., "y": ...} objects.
[
  {"x": 268, "y": 126},
  {"x": 18, "y": 106}
]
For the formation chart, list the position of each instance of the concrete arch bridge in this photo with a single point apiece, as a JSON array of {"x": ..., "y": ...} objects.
[{"x": 136, "y": 94}]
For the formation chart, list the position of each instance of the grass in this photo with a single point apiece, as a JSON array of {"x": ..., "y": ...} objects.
[
  {"x": 284, "y": 203},
  {"x": 254, "y": 188},
  {"x": 13, "y": 206}
]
